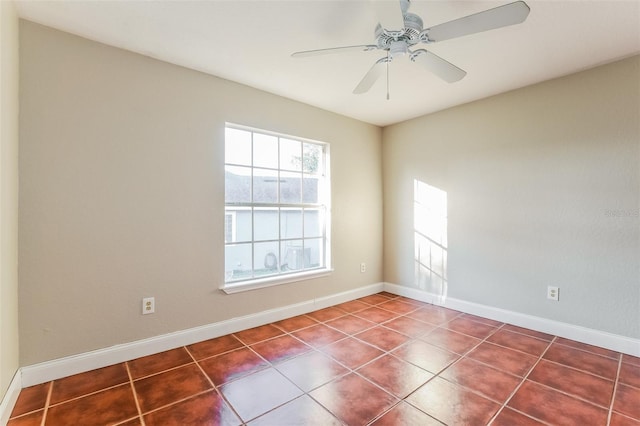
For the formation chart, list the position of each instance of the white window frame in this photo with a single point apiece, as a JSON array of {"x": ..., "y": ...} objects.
[
  {"x": 282, "y": 277},
  {"x": 232, "y": 221}
]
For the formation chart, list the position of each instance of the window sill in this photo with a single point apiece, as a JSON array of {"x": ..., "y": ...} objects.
[{"x": 231, "y": 288}]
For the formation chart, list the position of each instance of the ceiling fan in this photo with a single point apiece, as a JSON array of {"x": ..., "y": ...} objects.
[{"x": 397, "y": 42}]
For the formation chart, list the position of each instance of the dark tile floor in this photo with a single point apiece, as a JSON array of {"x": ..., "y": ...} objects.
[{"x": 380, "y": 360}]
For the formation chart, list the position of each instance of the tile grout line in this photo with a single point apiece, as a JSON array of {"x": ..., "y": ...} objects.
[
  {"x": 615, "y": 389},
  {"x": 135, "y": 394},
  {"x": 214, "y": 387},
  {"x": 522, "y": 382},
  {"x": 46, "y": 404}
]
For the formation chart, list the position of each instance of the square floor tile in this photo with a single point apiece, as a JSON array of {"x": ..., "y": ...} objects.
[
  {"x": 577, "y": 383},
  {"x": 395, "y": 376},
  {"x": 31, "y": 398},
  {"x": 353, "y": 400},
  {"x": 494, "y": 384},
  {"x": 171, "y": 386},
  {"x": 91, "y": 381},
  {"x": 434, "y": 315},
  {"x": 375, "y": 299},
  {"x": 350, "y": 324},
  {"x": 405, "y": 414},
  {"x": 581, "y": 360},
  {"x": 327, "y": 314},
  {"x": 311, "y": 370},
  {"x": 552, "y": 406},
  {"x": 280, "y": 348},
  {"x": 409, "y": 326},
  {"x": 425, "y": 356},
  {"x": 110, "y": 406},
  {"x": 630, "y": 374},
  {"x": 377, "y": 315},
  {"x": 589, "y": 348},
  {"x": 398, "y": 306},
  {"x": 627, "y": 401},
  {"x": 527, "y": 332},
  {"x": 519, "y": 342},
  {"x": 319, "y": 335},
  {"x": 508, "y": 360},
  {"x": 351, "y": 353},
  {"x": 301, "y": 411},
  {"x": 383, "y": 338},
  {"x": 452, "y": 404},
  {"x": 295, "y": 323},
  {"x": 353, "y": 306},
  {"x": 254, "y": 395},
  {"x": 204, "y": 409},
  {"x": 617, "y": 419},
  {"x": 258, "y": 334},
  {"x": 232, "y": 365},
  {"x": 215, "y": 346},
  {"x": 470, "y": 327},
  {"x": 157, "y": 363},
  {"x": 487, "y": 321},
  {"x": 451, "y": 340},
  {"x": 509, "y": 417},
  {"x": 630, "y": 359},
  {"x": 31, "y": 419}
]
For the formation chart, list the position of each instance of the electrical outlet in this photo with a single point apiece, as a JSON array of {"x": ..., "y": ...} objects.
[
  {"x": 148, "y": 305},
  {"x": 553, "y": 293},
  {"x": 363, "y": 267}
]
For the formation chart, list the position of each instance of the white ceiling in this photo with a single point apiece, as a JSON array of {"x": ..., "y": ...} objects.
[{"x": 250, "y": 42}]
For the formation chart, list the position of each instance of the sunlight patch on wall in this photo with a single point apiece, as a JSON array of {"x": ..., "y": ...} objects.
[{"x": 430, "y": 239}]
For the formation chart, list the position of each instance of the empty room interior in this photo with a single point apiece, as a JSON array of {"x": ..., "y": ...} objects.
[{"x": 206, "y": 218}]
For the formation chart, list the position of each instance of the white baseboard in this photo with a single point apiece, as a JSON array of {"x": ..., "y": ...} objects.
[
  {"x": 589, "y": 336},
  {"x": 10, "y": 397},
  {"x": 62, "y": 367}
]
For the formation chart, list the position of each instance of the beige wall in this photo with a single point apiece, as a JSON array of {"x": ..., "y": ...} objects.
[
  {"x": 8, "y": 194},
  {"x": 543, "y": 188},
  {"x": 122, "y": 192}
]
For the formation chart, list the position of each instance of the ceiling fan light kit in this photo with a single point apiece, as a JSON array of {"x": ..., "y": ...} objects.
[{"x": 397, "y": 43}]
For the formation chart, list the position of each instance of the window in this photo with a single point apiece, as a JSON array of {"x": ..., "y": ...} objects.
[{"x": 276, "y": 208}]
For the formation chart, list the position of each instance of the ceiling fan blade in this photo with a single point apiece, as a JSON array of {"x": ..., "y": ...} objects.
[
  {"x": 361, "y": 47},
  {"x": 390, "y": 13},
  {"x": 371, "y": 77},
  {"x": 435, "y": 64},
  {"x": 501, "y": 16}
]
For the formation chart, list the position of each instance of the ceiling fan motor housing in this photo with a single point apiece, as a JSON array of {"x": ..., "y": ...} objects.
[{"x": 398, "y": 41}]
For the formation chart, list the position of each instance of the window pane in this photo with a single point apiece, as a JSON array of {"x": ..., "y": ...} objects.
[
  {"x": 313, "y": 223},
  {"x": 311, "y": 158},
  {"x": 290, "y": 223},
  {"x": 265, "y": 186},
  {"x": 314, "y": 249},
  {"x": 265, "y": 257},
  {"x": 293, "y": 255},
  {"x": 290, "y": 187},
  {"x": 237, "y": 147},
  {"x": 237, "y": 262},
  {"x": 243, "y": 231},
  {"x": 290, "y": 154},
  {"x": 265, "y": 151},
  {"x": 237, "y": 184},
  {"x": 265, "y": 223},
  {"x": 310, "y": 189}
]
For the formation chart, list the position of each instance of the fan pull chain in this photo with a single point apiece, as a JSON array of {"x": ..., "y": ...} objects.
[{"x": 387, "y": 75}]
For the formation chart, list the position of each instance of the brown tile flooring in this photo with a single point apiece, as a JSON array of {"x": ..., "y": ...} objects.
[{"x": 381, "y": 359}]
